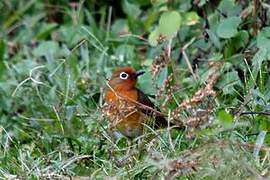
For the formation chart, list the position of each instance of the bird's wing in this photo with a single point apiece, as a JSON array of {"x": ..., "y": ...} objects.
[{"x": 143, "y": 99}]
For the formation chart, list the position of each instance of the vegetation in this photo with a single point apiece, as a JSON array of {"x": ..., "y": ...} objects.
[{"x": 207, "y": 62}]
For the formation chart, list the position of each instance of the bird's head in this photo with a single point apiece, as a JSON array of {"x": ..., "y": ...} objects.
[{"x": 124, "y": 78}]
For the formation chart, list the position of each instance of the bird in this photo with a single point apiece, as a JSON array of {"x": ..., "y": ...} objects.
[{"x": 127, "y": 107}]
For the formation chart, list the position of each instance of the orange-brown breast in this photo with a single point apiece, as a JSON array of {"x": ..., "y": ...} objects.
[
  {"x": 112, "y": 95},
  {"x": 131, "y": 122}
]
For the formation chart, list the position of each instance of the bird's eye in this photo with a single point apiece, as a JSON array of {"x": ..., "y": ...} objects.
[{"x": 123, "y": 75}]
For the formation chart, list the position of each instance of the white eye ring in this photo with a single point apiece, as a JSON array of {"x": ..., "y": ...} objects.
[{"x": 123, "y": 75}]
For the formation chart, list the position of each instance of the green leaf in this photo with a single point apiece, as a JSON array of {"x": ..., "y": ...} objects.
[
  {"x": 258, "y": 95},
  {"x": 240, "y": 40},
  {"x": 215, "y": 56},
  {"x": 70, "y": 35},
  {"x": 184, "y": 6},
  {"x": 153, "y": 37},
  {"x": 125, "y": 52},
  {"x": 214, "y": 39},
  {"x": 145, "y": 83},
  {"x": 228, "y": 81},
  {"x": 46, "y": 48},
  {"x": 131, "y": 9},
  {"x": 150, "y": 20},
  {"x": 228, "y": 27},
  {"x": 169, "y": 23},
  {"x": 257, "y": 61},
  {"x": 225, "y": 118},
  {"x": 263, "y": 39},
  {"x": 158, "y": 3},
  {"x": 202, "y": 44},
  {"x": 119, "y": 26},
  {"x": 191, "y": 18},
  {"x": 229, "y": 7},
  {"x": 264, "y": 123},
  {"x": 258, "y": 58},
  {"x": 46, "y": 30}
]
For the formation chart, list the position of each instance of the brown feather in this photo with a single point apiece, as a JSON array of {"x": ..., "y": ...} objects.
[{"x": 160, "y": 121}]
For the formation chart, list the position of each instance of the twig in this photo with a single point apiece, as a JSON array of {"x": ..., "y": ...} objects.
[
  {"x": 253, "y": 112},
  {"x": 133, "y": 35},
  {"x": 183, "y": 50}
]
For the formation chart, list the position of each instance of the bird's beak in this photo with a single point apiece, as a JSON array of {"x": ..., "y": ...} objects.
[{"x": 138, "y": 73}]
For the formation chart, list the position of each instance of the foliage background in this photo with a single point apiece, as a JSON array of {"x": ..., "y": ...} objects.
[{"x": 55, "y": 57}]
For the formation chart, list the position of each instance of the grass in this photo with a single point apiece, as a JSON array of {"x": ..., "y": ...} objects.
[{"x": 56, "y": 57}]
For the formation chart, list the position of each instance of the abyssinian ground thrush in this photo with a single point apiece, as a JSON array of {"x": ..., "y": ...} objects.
[{"x": 127, "y": 108}]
